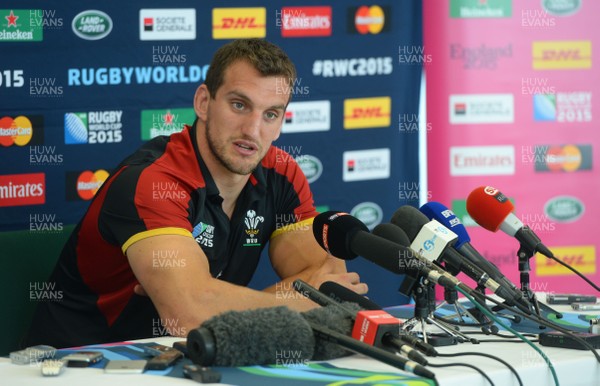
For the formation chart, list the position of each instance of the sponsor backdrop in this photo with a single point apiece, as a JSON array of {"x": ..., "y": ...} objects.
[
  {"x": 82, "y": 87},
  {"x": 514, "y": 110}
]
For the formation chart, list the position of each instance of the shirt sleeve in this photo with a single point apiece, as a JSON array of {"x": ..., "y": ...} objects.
[
  {"x": 142, "y": 202},
  {"x": 294, "y": 196}
]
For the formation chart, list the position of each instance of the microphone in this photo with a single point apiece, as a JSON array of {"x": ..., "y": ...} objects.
[
  {"x": 492, "y": 210},
  {"x": 385, "y": 336},
  {"x": 437, "y": 211},
  {"x": 393, "y": 233},
  {"x": 353, "y": 297},
  {"x": 252, "y": 337},
  {"x": 340, "y": 294},
  {"x": 346, "y": 237},
  {"x": 386, "y": 357},
  {"x": 422, "y": 231},
  {"x": 264, "y": 335}
]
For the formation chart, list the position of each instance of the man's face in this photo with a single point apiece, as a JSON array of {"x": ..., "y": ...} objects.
[{"x": 245, "y": 117}]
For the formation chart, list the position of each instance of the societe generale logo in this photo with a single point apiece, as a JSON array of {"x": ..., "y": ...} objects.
[
  {"x": 22, "y": 189},
  {"x": 363, "y": 113},
  {"x": 235, "y": 23}
]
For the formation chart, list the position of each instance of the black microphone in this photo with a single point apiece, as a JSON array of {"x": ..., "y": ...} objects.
[
  {"x": 346, "y": 237},
  {"x": 418, "y": 227},
  {"x": 341, "y": 294},
  {"x": 393, "y": 233},
  {"x": 386, "y": 337}
]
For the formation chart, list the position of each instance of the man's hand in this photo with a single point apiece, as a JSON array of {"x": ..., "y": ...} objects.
[
  {"x": 334, "y": 269},
  {"x": 296, "y": 255}
]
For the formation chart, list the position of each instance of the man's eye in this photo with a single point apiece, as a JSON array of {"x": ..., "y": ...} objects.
[
  {"x": 271, "y": 115},
  {"x": 238, "y": 105}
]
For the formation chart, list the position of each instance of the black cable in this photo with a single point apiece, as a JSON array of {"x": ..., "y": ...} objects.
[
  {"x": 512, "y": 369},
  {"x": 465, "y": 365},
  {"x": 546, "y": 323},
  {"x": 507, "y": 341},
  {"x": 500, "y": 335},
  {"x": 575, "y": 271}
]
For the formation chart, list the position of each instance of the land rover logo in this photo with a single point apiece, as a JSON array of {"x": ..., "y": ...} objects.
[
  {"x": 369, "y": 213},
  {"x": 311, "y": 167},
  {"x": 561, "y": 7},
  {"x": 564, "y": 209},
  {"x": 92, "y": 24}
]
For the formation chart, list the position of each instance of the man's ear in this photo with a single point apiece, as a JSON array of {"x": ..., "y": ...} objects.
[{"x": 201, "y": 98}]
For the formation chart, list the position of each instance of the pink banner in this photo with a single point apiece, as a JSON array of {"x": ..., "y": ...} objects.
[{"x": 509, "y": 103}]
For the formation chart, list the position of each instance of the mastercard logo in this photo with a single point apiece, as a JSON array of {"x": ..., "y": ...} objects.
[
  {"x": 369, "y": 19},
  {"x": 17, "y": 131},
  {"x": 567, "y": 158},
  {"x": 563, "y": 158},
  {"x": 89, "y": 182}
]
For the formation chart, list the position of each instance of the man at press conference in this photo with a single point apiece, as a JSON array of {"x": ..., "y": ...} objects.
[{"x": 175, "y": 234}]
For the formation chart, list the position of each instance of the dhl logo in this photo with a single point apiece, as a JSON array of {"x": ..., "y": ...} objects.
[
  {"x": 582, "y": 258},
  {"x": 556, "y": 55},
  {"x": 239, "y": 23},
  {"x": 234, "y": 23},
  {"x": 367, "y": 112}
]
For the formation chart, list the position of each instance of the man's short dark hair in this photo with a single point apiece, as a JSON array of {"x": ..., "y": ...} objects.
[{"x": 267, "y": 58}]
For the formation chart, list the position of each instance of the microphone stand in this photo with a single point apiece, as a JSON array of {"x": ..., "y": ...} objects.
[
  {"x": 451, "y": 297},
  {"x": 424, "y": 295},
  {"x": 524, "y": 254}
]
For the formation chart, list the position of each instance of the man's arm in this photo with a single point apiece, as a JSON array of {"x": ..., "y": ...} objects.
[
  {"x": 184, "y": 292},
  {"x": 295, "y": 254}
]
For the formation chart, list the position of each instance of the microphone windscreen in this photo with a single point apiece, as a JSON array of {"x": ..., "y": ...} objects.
[
  {"x": 410, "y": 219},
  {"x": 440, "y": 212},
  {"x": 393, "y": 233},
  {"x": 334, "y": 319},
  {"x": 334, "y": 230},
  {"x": 488, "y": 207},
  {"x": 253, "y": 337}
]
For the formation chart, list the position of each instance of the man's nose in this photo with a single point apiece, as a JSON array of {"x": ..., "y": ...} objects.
[{"x": 252, "y": 123}]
